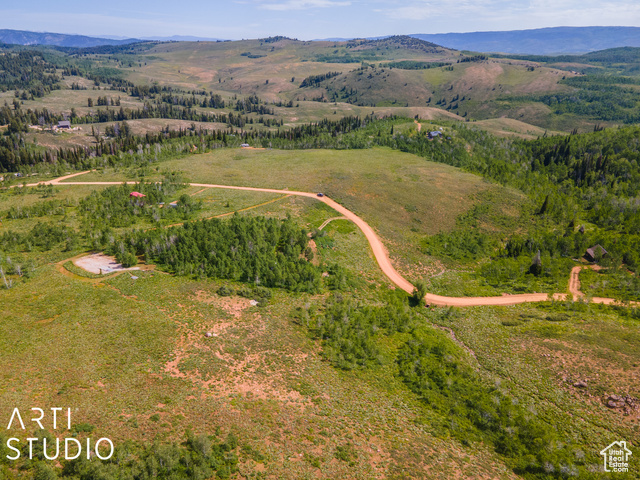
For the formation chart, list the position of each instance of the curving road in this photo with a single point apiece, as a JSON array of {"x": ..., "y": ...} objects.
[{"x": 380, "y": 252}]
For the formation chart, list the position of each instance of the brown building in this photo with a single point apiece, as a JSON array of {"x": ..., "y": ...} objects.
[{"x": 594, "y": 253}]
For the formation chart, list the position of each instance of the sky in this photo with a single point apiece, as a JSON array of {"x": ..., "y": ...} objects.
[{"x": 308, "y": 19}]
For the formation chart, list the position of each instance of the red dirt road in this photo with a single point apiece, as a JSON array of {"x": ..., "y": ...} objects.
[{"x": 380, "y": 252}]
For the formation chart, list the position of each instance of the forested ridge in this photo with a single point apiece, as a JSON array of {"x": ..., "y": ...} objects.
[{"x": 33, "y": 72}]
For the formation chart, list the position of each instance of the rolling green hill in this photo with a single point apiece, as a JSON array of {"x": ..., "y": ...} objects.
[{"x": 300, "y": 82}]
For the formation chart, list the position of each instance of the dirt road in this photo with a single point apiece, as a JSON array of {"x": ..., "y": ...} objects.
[
  {"x": 574, "y": 282},
  {"x": 574, "y": 285},
  {"x": 379, "y": 251}
]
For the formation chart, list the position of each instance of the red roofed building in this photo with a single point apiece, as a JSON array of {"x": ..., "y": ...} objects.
[{"x": 137, "y": 194}]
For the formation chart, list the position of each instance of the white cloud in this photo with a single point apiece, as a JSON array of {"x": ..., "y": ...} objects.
[
  {"x": 302, "y": 5},
  {"x": 509, "y": 15},
  {"x": 429, "y": 9}
]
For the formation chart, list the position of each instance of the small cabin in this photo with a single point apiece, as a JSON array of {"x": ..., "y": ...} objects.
[
  {"x": 434, "y": 134},
  {"x": 595, "y": 253},
  {"x": 64, "y": 124},
  {"x": 137, "y": 195}
]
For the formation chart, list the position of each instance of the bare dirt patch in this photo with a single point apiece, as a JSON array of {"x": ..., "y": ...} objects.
[
  {"x": 100, "y": 263},
  {"x": 234, "y": 306},
  {"x": 483, "y": 75},
  {"x": 314, "y": 249}
]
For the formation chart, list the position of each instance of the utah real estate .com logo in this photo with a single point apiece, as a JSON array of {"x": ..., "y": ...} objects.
[{"x": 616, "y": 457}]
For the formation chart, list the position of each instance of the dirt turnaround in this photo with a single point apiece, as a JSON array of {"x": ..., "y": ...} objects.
[
  {"x": 100, "y": 263},
  {"x": 380, "y": 252}
]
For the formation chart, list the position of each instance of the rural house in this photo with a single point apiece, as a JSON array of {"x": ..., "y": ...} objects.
[
  {"x": 64, "y": 124},
  {"x": 594, "y": 253}
]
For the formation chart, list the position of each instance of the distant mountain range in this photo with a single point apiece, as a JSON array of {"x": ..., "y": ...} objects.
[
  {"x": 541, "y": 41},
  {"x": 22, "y": 37}
]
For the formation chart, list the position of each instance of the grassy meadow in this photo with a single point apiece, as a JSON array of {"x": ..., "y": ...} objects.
[
  {"x": 418, "y": 198},
  {"x": 131, "y": 357}
]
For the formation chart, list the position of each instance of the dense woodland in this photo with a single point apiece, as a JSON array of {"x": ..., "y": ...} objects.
[
  {"x": 115, "y": 207},
  {"x": 257, "y": 250},
  {"x": 28, "y": 71},
  {"x": 605, "y": 98}
]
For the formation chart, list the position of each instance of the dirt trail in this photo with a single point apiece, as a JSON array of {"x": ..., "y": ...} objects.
[
  {"x": 199, "y": 191},
  {"x": 378, "y": 249},
  {"x": 574, "y": 282},
  {"x": 233, "y": 212},
  {"x": 326, "y": 222},
  {"x": 574, "y": 279},
  {"x": 574, "y": 285}
]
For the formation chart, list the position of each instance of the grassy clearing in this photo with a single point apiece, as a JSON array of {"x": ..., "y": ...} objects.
[
  {"x": 69, "y": 196},
  {"x": 65, "y": 99},
  {"x": 610, "y": 283},
  {"x": 401, "y": 195},
  {"x": 508, "y": 127}
]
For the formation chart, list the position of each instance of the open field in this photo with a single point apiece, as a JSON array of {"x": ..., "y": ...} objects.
[
  {"x": 133, "y": 359},
  {"x": 420, "y": 198},
  {"x": 259, "y": 377},
  {"x": 565, "y": 344},
  {"x": 65, "y": 99},
  {"x": 508, "y": 127}
]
